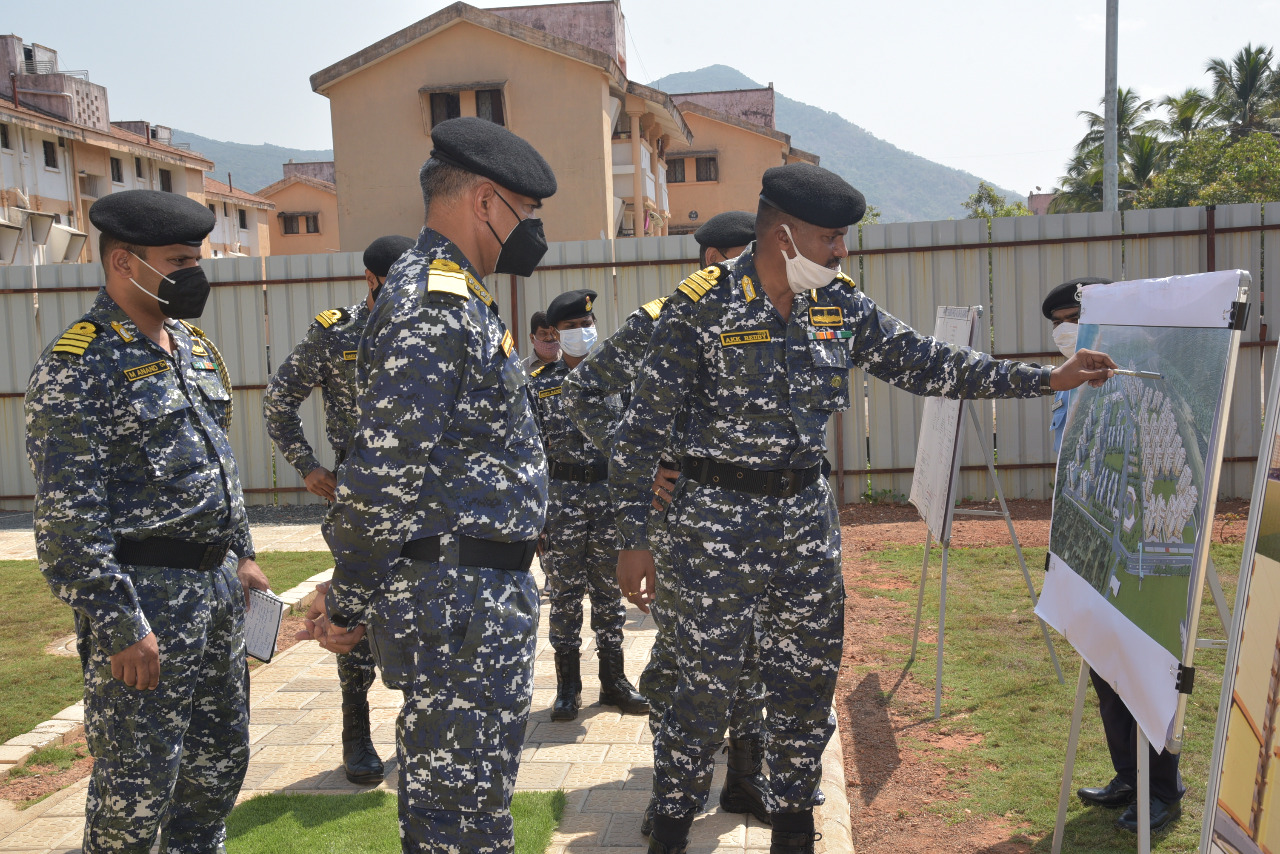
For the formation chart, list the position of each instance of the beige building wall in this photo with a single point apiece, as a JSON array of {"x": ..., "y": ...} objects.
[
  {"x": 300, "y": 196},
  {"x": 381, "y": 130},
  {"x": 742, "y": 157}
]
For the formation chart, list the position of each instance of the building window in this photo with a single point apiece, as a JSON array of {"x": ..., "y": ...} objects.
[
  {"x": 244, "y": 220},
  {"x": 675, "y": 171},
  {"x": 289, "y": 223},
  {"x": 707, "y": 169},
  {"x": 489, "y": 105},
  {"x": 166, "y": 180},
  {"x": 313, "y": 223},
  {"x": 213, "y": 211},
  {"x": 444, "y": 106},
  {"x": 4, "y": 137},
  {"x": 137, "y": 167},
  {"x": 50, "y": 155},
  {"x": 117, "y": 171}
]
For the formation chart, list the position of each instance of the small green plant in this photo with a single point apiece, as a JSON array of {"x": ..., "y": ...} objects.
[{"x": 883, "y": 496}]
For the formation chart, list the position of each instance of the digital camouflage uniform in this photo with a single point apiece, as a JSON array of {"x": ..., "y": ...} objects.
[
  {"x": 757, "y": 392},
  {"x": 444, "y": 444},
  {"x": 127, "y": 441},
  {"x": 581, "y": 553},
  {"x": 326, "y": 357},
  {"x": 609, "y": 370}
]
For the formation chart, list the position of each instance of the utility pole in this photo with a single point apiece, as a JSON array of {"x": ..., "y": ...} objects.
[{"x": 1110, "y": 146}]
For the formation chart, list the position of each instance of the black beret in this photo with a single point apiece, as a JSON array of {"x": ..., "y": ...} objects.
[
  {"x": 813, "y": 194},
  {"x": 152, "y": 218},
  {"x": 385, "y": 251},
  {"x": 492, "y": 151},
  {"x": 727, "y": 230},
  {"x": 570, "y": 305},
  {"x": 1064, "y": 295}
]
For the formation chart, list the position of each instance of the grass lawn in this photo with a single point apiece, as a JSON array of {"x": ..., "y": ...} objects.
[
  {"x": 361, "y": 824},
  {"x": 1000, "y": 685},
  {"x": 37, "y": 686}
]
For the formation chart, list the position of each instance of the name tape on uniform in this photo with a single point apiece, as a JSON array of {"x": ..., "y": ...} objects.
[
  {"x": 754, "y": 336},
  {"x": 550, "y": 392},
  {"x": 349, "y": 355},
  {"x": 148, "y": 370}
]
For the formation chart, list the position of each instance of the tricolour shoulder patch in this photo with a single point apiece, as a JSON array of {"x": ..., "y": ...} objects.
[
  {"x": 696, "y": 286},
  {"x": 332, "y": 317},
  {"x": 77, "y": 339},
  {"x": 654, "y": 307}
]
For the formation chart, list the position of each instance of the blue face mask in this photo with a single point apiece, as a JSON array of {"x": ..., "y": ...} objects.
[{"x": 578, "y": 342}]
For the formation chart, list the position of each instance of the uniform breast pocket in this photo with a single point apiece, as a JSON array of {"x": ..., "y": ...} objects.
[
  {"x": 745, "y": 372},
  {"x": 824, "y": 377},
  {"x": 216, "y": 396},
  {"x": 170, "y": 441}
]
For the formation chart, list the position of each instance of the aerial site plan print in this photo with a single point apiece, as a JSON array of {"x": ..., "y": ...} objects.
[{"x": 1136, "y": 482}]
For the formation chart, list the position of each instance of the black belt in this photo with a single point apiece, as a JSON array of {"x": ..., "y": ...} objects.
[
  {"x": 179, "y": 554},
  {"x": 512, "y": 557},
  {"x": 582, "y": 474},
  {"x": 779, "y": 483}
]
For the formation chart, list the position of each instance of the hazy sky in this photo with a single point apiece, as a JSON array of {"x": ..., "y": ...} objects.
[{"x": 989, "y": 86}]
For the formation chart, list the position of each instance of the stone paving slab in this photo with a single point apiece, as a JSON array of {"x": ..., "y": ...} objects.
[{"x": 603, "y": 760}]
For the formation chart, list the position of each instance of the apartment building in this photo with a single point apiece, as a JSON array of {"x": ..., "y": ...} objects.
[
  {"x": 306, "y": 216},
  {"x": 243, "y": 222}
]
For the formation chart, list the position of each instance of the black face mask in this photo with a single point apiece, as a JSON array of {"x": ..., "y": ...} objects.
[
  {"x": 182, "y": 294},
  {"x": 373, "y": 294},
  {"x": 523, "y": 248}
]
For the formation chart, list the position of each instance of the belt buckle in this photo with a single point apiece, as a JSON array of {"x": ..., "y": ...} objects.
[
  {"x": 790, "y": 481},
  {"x": 214, "y": 554}
]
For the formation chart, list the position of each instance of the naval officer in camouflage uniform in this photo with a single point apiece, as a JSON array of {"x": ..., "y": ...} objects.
[
  {"x": 581, "y": 553},
  {"x": 609, "y": 370},
  {"x": 326, "y": 357},
  {"x": 141, "y": 529},
  {"x": 753, "y": 357},
  {"x": 443, "y": 493}
]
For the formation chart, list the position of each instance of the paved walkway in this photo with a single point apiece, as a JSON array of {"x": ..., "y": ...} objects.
[{"x": 602, "y": 760}]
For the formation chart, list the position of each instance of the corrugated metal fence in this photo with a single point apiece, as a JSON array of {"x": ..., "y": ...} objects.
[{"x": 261, "y": 307}]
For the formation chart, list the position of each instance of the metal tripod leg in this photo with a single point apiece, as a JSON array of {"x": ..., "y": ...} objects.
[{"x": 1073, "y": 741}]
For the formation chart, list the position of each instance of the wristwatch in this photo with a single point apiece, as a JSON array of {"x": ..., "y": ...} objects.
[{"x": 1046, "y": 375}]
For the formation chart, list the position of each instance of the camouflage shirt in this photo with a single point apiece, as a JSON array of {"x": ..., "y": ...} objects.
[
  {"x": 561, "y": 438},
  {"x": 126, "y": 441},
  {"x": 757, "y": 391},
  {"x": 444, "y": 439},
  {"x": 609, "y": 369},
  {"x": 326, "y": 357}
]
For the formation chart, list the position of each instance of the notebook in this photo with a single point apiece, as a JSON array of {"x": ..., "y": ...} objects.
[{"x": 262, "y": 623}]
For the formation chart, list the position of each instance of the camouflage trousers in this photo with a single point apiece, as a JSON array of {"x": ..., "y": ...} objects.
[
  {"x": 658, "y": 681},
  {"x": 458, "y": 641},
  {"x": 170, "y": 760},
  {"x": 749, "y": 565},
  {"x": 581, "y": 559},
  {"x": 356, "y": 670}
]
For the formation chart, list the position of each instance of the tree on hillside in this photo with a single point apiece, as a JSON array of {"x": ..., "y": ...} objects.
[
  {"x": 1212, "y": 169},
  {"x": 986, "y": 203},
  {"x": 1246, "y": 91}
]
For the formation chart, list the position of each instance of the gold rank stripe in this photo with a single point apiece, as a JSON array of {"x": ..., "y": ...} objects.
[
  {"x": 348, "y": 355},
  {"x": 826, "y": 315},
  {"x": 508, "y": 343},
  {"x": 748, "y": 288},
  {"x": 753, "y": 336},
  {"x": 697, "y": 285},
  {"x": 447, "y": 281},
  {"x": 76, "y": 339},
  {"x": 654, "y": 307},
  {"x": 329, "y": 317},
  {"x": 479, "y": 291},
  {"x": 148, "y": 370},
  {"x": 551, "y": 392}
]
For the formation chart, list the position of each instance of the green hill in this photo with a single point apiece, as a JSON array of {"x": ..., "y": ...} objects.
[
  {"x": 904, "y": 186},
  {"x": 252, "y": 167}
]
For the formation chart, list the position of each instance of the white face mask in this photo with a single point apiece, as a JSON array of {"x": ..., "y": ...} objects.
[
  {"x": 1064, "y": 335},
  {"x": 803, "y": 274},
  {"x": 578, "y": 342}
]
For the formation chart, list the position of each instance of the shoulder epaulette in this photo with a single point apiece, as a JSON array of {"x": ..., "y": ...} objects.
[
  {"x": 193, "y": 329},
  {"x": 540, "y": 369},
  {"x": 446, "y": 277},
  {"x": 654, "y": 307},
  {"x": 848, "y": 281},
  {"x": 332, "y": 317},
  {"x": 696, "y": 286},
  {"x": 77, "y": 339}
]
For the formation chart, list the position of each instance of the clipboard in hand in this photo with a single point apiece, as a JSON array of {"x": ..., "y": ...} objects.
[{"x": 262, "y": 624}]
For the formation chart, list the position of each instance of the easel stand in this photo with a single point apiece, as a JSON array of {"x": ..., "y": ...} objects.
[
  {"x": 952, "y": 510},
  {"x": 1144, "y": 758}
]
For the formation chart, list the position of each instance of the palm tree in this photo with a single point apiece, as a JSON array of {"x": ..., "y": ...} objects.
[
  {"x": 1130, "y": 119},
  {"x": 1246, "y": 91},
  {"x": 1081, "y": 188},
  {"x": 1146, "y": 157},
  {"x": 1189, "y": 112}
]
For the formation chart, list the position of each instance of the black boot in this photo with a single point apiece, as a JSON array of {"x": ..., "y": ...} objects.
[
  {"x": 793, "y": 833},
  {"x": 744, "y": 781},
  {"x": 359, "y": 759},
  {"x": 568, "y": 686},
  {"x": 646, "y": 823},
  {"x": 615, "y": 689},
  {"x": 670, "y": 835}
]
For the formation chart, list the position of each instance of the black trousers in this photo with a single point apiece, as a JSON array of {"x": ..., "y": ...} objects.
[{"x": 1122, "y": 740}]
